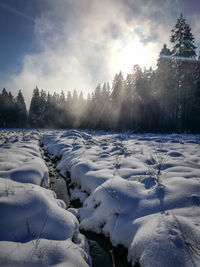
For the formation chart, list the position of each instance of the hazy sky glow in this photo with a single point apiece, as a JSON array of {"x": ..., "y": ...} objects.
[{"x": 67, "y": 44}]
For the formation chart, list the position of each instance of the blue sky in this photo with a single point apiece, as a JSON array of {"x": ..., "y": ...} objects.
[
  {"x": 67, "y": 44},
  {"x": 17, "y": 32}
]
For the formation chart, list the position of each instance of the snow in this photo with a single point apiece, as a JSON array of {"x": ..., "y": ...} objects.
[
  {"x": 142, "y": 191},
  {"x": 36, "y": 228},
  {"x": 21, "y": 161},
  {"x": 76, "y": 193}
]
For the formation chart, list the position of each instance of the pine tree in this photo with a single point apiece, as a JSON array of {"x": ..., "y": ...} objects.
[
  {"x": 35, "y": 109},
  {"x": 165, "y": 89},
  {"x": 62, "y": 99},
  {"x": 7, "y": 109},
  {"x": 165, "y": 51},
  {"x": 147, "y": 115},
  {"x": 94, "y": 108},
  {"x": 80, "y": 110},
  {"x": 21, "y": 112},
  {"x": 117, "y": 99},
  {"x": 81, "y": 102},
  {"x": 164, "y": 56},
  {"x": 183, "y": 39},
  {"x": 3, "y": 108},
  {"x": 69, "y": 100},
  {"x": 74, "y": 100},
  {"x": 105, "y": 106},
  {"x": 69, "y": 110},
  {"x": 118, "y": 88},
  {"x": 48, "y": 112},
  {"x": 105, "y": 92}
]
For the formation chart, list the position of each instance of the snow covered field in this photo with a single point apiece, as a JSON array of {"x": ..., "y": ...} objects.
[
  {"x": 142, "y": 191},
  {"x": 35, "y": 228}
]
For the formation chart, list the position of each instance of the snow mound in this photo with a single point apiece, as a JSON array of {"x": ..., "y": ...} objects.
[
  {"x": 21, "y": 162},
  {"x": 35, "y": 227},
  {"x": 34, "y": 210},
  {"x": 143, "y": 192},
  {"x": 43, "y": 252}
]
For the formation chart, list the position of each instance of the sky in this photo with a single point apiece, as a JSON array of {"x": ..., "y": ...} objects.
[{"x": 76, "y": 44}]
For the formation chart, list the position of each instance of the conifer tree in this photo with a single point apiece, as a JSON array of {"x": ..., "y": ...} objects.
[
  {"x": 69, "y": 110},
  {"x": 62, "y": 99},
  {"x": 105, "y": 106},
  {"x": 117, "y": 99},
  {"x": 7, "y": 109},
  {"x": 74, "y": 100},
  {"x": 35, "y": 106},
  {"x": 81, "y": 102},
  {"x": 118, "y": 89},
  {"x": 48, "y": 111},
  {"x": 69, "y": 99},
  {"x": 164, "y": 89},
  {"x": 182, "y": 39},
  {"x": 21, "y": 112},
  {"x": 164, "y": 57}
]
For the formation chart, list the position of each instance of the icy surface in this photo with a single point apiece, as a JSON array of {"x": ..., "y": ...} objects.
[
  {"x": 35, "y": 227},
  {"x": 143, "y": 191}
]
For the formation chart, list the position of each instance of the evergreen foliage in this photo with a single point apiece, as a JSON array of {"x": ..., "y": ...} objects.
[
  {"x": 13, "y": 111},
  {"x": 183, "y": 39},
  {"x": 21, "y": 112}
]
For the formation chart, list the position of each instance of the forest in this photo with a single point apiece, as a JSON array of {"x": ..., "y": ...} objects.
[{"x": 166, "y": 99}]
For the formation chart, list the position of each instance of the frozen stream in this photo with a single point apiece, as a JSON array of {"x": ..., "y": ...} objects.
[
  {"x": 58, "y": 184},
  {"x": 101, "y": 250}
]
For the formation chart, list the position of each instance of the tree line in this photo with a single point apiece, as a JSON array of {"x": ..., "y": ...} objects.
[
  {"x": 13, "y": 112},
  {"x": 164, "y": 100}
]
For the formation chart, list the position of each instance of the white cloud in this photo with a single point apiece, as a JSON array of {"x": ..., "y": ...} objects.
[{"x": 82, "y": 42}]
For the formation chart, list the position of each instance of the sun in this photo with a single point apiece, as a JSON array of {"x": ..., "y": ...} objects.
[{"x": 134, "y": 52}]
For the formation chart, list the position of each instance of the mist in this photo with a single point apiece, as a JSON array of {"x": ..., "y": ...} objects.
[{"x": 86, "y": 42}]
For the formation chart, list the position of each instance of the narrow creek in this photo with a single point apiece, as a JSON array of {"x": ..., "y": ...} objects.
[{"x": 101, "y": 250}]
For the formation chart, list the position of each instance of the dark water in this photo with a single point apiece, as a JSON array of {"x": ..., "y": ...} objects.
[
  {"x": 58, "y": 183},
  {"x": 103, "y": 253}
]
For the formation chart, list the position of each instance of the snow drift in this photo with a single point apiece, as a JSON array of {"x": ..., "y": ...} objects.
[
  {"x": 36, "y": 230},
  {"x": 142, "y": 191}
]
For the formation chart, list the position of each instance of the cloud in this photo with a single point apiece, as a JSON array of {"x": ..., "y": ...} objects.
[{"x": 81, "y": 42}]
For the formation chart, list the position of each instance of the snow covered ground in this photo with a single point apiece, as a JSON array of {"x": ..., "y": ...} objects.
[
  {"x": 35, "y": 228},
  {"x": 142, "y": 191}
]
